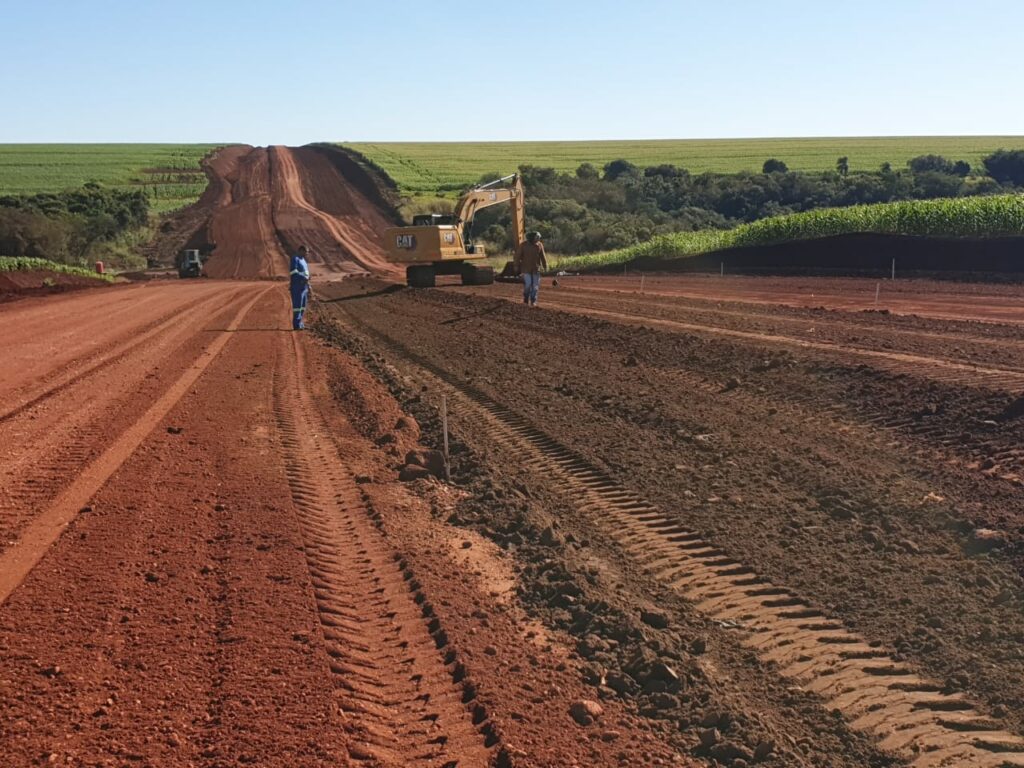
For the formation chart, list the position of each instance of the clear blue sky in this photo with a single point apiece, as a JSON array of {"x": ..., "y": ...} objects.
[{"x": 313, "y": 70}]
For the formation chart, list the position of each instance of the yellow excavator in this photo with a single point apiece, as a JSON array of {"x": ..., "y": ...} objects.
[{"x": 438, "y": 244}]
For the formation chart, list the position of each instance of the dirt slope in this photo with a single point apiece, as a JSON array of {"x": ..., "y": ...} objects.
[{"x": 262, "y": 203}]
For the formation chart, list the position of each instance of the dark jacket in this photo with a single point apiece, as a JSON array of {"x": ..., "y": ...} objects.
[{"x": 530, "y": 257}]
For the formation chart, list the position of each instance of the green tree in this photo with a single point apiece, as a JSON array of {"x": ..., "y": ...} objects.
[
  {"x": 618, "y": 168},
  {"x": 774, "y": 166},
  {"x": 1006, "y": 166}
]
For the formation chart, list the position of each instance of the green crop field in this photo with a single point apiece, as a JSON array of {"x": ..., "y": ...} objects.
[
  {"x": 16, "y": 264},
  {"x": 999, "y": 215},
  {"x": 428, "y": 169},
  {"x": 169, "y": 173}
]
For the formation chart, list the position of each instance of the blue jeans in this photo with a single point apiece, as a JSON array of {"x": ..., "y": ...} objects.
[
  {"x": 531, "y": 284},
  {"x": 300, "y": 293}
]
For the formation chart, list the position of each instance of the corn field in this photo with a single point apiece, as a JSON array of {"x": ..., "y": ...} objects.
[
  {"x": 24, "y": 263},
  {"x": 1000, "y": 215}
]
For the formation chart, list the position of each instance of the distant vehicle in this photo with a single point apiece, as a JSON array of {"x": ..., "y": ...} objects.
[
  {"x": 438, "y": 244},
  {"x": 190, "y": 262}
]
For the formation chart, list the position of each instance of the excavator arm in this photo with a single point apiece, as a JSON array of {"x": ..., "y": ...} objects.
[{"x": 492, "y": 194}]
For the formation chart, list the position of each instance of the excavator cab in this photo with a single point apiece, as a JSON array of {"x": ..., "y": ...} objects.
[
  {"x": 432, "y": 219},
  {"x": 440, "y": 244}
]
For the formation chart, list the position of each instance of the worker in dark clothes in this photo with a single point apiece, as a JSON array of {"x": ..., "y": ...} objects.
[
  {"x": 299, "y": 286},
  {"x": 529, "y": 261}
]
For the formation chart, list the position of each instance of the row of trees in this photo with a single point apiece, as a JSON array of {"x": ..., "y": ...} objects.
[
  {"x": 69, "y": 227},
  {"x": 621, "y": 204}
]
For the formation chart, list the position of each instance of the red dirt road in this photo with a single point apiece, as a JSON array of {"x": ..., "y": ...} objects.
[
  {"x": 207, "y": 560},
  {"x": 265, "y": 202}
]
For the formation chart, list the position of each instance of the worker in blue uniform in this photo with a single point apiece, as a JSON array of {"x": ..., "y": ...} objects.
[{"x": 299, "y": 277}]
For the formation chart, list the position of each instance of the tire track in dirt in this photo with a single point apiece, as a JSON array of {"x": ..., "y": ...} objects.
[
  {"x": 927, "y": 441},
  {"x": 986, "y": 449},
  {"x": 241, "y": 222},
  {"x": 60, "y": 430},
  {"x": 271, "y": 200},
  {"x": 47, "y": 525},
  {"x": 966, "y": 339},
  {"x": 908, "y": 713},
  {"x": 946, "y": 371},
  {"x": 936, "y": 299},
  {"x": 74, "y": 372},
  {"x": 345, "y": 227},
  {"x": 397, "y": 678}
]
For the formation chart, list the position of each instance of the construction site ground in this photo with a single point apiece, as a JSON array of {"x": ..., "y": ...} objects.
[{"x": 689, "y": 521}]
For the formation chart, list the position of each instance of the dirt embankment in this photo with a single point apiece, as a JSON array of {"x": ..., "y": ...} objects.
[
  {"x": 262, "y": 203},
  {"x": 998, "y": 258},
  {"x": 16, "y": 285}
]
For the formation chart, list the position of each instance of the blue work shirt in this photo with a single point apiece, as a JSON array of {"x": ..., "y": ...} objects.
[{"x": 299, "y": 273}]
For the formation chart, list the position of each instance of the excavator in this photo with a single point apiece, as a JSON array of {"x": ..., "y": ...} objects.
[{"x": 438, "y": 244}]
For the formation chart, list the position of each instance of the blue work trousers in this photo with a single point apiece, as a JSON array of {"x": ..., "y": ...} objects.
[
  {"x": 300, "y": 294},
  {"x": 531, "y": 285}
]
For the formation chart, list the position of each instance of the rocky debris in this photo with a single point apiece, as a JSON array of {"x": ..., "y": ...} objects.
[
  {"x": 929, "y": 409},
  {"x": 428, "y": 458},
  {"x": 662, "y": 700},
  {"x": 662, "y": 671},
  {"x": 549, "y": 538},
  {"x": 411, "y": 472},
  {"x": 655, "y": 619},
  {"x": 771, "y": 363},
  {"x": 586, "y": 712},
  {"x": 1014, "y": 410},
  {"x": 985, "y": 539},
  {"x": 910, "y": 546},
  {"x": 709, "y": 737},
  {"x": 764, "y": 749},
  {"x": 730, "y": 753},
  {"x": 408, "y": 425},
  {"x": 731, "y": 384},
  {"x": 175, "y": 430}
]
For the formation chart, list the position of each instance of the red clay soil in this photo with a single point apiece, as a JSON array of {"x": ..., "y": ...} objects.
[
  {"x": 927, "y": 298},
  {"x": 208, "y": 560},
  {"x": 802, "y": 517},
  {"x": 262, "y": 203},
  {"x": 15, "y": 285}
]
